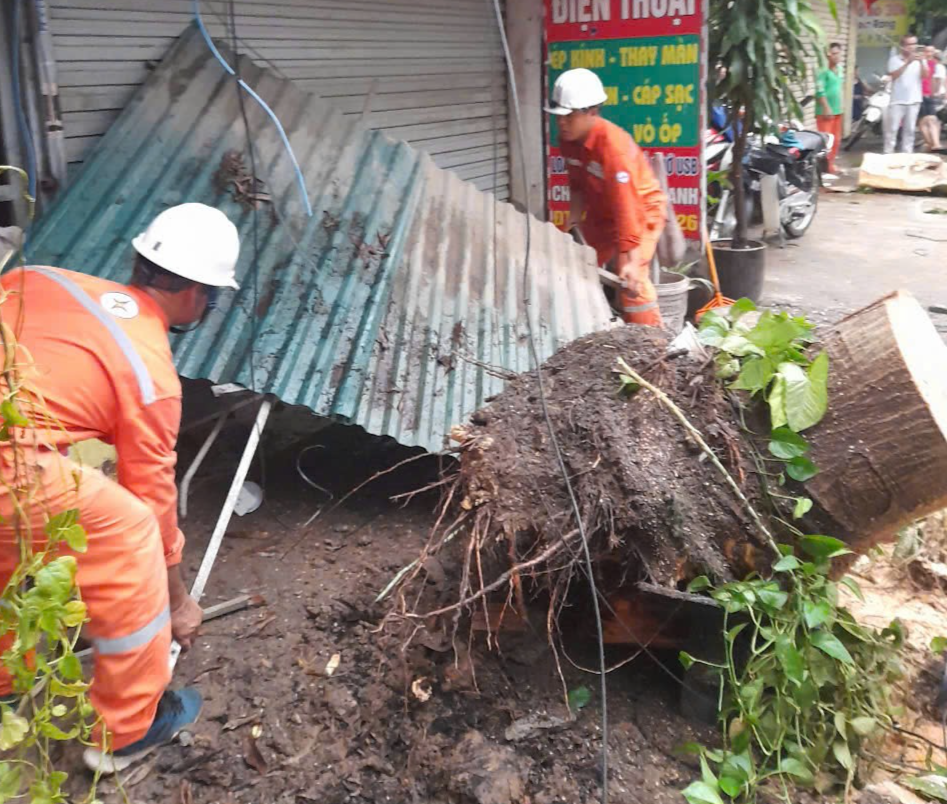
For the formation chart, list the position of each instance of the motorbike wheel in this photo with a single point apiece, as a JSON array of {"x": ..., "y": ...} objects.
[
  {"x": 797, "y": 227},
  {"x": 856, "y": 134}
]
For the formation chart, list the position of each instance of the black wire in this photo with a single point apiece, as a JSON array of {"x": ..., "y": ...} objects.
[
  {"x": 553, "y": 439},
  {"x": 255, "y": 263}
]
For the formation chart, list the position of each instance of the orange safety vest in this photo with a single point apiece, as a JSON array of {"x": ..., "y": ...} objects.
[{"x": 102, "y": 365}]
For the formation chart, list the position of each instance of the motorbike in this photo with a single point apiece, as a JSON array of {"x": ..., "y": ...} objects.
[
  {"x": 781, "y": 177},
  {"x": 872, "y": 116}
]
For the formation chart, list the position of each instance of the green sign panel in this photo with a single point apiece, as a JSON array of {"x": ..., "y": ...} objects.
[{"x": 652, "y": 84}]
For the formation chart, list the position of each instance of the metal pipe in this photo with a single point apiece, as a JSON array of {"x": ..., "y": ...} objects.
[
  {"x": 217, "y": 537},
  {"x": 198, "y": 460},
  {"x": 49, "y": 87},
  {"x": 8, "y": 129}
]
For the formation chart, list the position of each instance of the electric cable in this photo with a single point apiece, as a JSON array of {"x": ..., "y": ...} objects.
[
  {"x": 18, "y": 101},
  {"x": 553, "y": 439},
  {"x": 249, "y": 90}
]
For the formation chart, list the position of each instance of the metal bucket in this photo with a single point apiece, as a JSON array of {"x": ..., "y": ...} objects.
[{"x": 672, "y": 300}]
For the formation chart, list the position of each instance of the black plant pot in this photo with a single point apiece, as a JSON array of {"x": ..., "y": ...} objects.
[{"x": 741, "y": 271}]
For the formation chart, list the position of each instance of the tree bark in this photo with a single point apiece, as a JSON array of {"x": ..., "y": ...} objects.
[{"x": 881, "y": 449}]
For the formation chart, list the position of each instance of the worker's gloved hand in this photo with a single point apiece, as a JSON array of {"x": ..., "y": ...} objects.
[
  {"x": 632, "y": 272},
  {"x": 186, "y": 618}
]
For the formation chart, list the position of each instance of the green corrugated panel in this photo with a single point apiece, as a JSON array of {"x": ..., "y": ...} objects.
[{"x": 392, "y": 307}]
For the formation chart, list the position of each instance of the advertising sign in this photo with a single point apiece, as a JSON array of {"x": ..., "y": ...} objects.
[
  {"x": 883, "y": 24},
  {"x": 650, "y": 56}
]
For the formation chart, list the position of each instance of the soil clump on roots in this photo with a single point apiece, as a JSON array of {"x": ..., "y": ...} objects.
[{"x": 653, "y": 506}]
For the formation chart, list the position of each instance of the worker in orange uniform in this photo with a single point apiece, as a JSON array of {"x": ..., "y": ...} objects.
[
  {"x": 101, "y": 364},
  {"x": 615, "y": 199}
]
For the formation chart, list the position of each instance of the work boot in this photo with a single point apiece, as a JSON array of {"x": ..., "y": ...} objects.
[{"x": 177, "y": 709}]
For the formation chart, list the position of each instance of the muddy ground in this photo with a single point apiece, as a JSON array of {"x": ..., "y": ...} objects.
[{"x": 363, "y": 734}]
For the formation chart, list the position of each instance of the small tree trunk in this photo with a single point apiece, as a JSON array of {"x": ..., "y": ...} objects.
[
  {"x": 741, "y": 132},
  {"x": 882, "y": 447}
]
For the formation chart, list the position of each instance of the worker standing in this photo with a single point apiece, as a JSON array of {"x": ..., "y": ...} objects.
[
  {"x": 615, "y": 199},
  {"x": 101, "y": 364}
]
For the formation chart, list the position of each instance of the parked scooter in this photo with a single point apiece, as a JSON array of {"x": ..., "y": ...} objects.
[
  {"x": 781, "y": 179},
  {"x": 872, "y": 116}
]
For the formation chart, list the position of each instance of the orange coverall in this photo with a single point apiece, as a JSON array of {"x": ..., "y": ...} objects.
[
  {"x": 625, "y": 208},
  {"x": 102, "y": 364}
]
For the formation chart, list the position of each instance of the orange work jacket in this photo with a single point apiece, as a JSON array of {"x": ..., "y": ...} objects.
[
  {"x": 100, "y": 360},
  {"x": 624, "y": 205}
]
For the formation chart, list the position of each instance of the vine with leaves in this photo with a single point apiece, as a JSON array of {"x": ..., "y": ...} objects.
[{"x": 802, "y": 686}]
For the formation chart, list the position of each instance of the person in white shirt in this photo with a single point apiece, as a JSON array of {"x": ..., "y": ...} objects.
[
  {"x": 907, "y": 70},
  {"x": 935, "y": 98}
]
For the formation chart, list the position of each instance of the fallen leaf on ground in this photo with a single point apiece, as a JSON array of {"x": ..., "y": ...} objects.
[{"x": 253, "y": 756}]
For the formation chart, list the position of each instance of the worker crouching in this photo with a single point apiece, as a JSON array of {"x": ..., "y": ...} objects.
[
  {"x": 101, "y": 367},
  {"x": 615, "y": 198}
]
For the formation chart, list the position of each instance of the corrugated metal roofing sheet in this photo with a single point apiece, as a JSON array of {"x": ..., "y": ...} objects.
[{"x": 391, "y": 308}]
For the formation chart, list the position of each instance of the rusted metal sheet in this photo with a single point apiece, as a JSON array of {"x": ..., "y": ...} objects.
[{"x": 399, "y": 305}]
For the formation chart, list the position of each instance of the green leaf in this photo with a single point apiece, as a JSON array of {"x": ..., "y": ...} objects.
[
  {"x": 699, "y": 584},
  {"x": 75, "y": 614},
  {"x": 56, "y": 579},
  {"x": 777, "y": 402},
  {"x": 739, "y": 345},
  {"x": 842, "y": 753},
  {"x": 11, "y": 415},
  {"x": 816, "y": 612},
  {"x": 734, "y": 632},
  {"x": 706, "y": 773},
  {"x": 840, "y": 723},
  {"x": 801, "y": 469},
  {"x": 70, "y": 668},
  {"x": 75, "y": 537},
  {"x": 927, "y": 787},
  {"x": 773, "y": 599},
  {"x": 730, "y": 786},
  {"x": 9, "y": 781},
  {"x": 791, "y": 660},
  {"x": 701, "y": 793},
  {"x": 786, "y": 564},
  {"x": 740, "y": 307},
  {"x": 786, "y": 444},
  {"x": 830, "y": 645},
  {"x": 755, "y": 375},
  {"x": 13, "y": 729},
  {"x": 864, "y": 725},
  {"x": 795, "y": 767},
  {"x": 686, "y": 660},
  {"x": 579, "y": 698},
  {"x": 807, "y": 394},
  {"x": 803, "y": 506},
  {"x": 823, "y": 547},
  {"x": 939, "y": 644},
  {"x": 852, "y": 585}
]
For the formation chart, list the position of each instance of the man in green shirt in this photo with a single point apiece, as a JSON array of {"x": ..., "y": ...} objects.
[{"x": 828, "y": 98}]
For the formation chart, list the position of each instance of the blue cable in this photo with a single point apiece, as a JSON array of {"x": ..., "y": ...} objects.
[
  {"x": 258, "y": 99},
  {"x": 18, "y": 102}
]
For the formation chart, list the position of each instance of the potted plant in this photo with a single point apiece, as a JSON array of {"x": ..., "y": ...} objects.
[{"x": 760, "y": 50}]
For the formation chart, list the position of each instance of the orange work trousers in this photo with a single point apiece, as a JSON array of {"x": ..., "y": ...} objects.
[
  {"x": 643, "y": 307},
  {"x": 831, "y": 124},
  {"x": 122, "y": 578}
]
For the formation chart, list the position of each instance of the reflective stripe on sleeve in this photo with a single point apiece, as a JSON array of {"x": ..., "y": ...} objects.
[
  {"x": 136, "y": 639},
  {"x": 145, "y": 383},
  {"x": 640, "y": 308}
]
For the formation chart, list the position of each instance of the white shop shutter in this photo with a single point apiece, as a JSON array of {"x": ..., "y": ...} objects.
[
  {"x": 836, "y": 30},
  {"x": 441, "y": 81}
]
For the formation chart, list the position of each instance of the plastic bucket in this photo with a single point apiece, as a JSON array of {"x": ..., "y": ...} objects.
[
  {"x": 672, "y": 300},
  {"x": 742, "y": 273}
]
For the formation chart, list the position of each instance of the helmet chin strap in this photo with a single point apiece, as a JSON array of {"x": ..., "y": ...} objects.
[{"x": 211, "y": 293}]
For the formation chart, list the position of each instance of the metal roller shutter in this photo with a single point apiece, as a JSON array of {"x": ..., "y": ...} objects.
[
  {"x": 836, "y": 30},
  {"x": 441, "y": 83}
]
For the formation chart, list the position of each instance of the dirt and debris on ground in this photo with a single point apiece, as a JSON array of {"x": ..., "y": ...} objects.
[{"x": 386, "y": 725}]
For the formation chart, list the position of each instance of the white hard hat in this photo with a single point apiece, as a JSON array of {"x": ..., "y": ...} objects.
[
  {"x": 195, "y": 241},
  {"x": 576, "y": 89}
]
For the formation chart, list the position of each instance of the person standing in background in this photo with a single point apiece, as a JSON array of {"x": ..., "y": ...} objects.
[
  {"x": 828, "y": 95},
  {"x": 934, "y": 94},
  {"x": 907, "y": 69}
]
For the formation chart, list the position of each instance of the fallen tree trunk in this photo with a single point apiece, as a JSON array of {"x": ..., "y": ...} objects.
[
  {"x": 882, "y": 446},
  {"x": 653, "y": 506}
]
